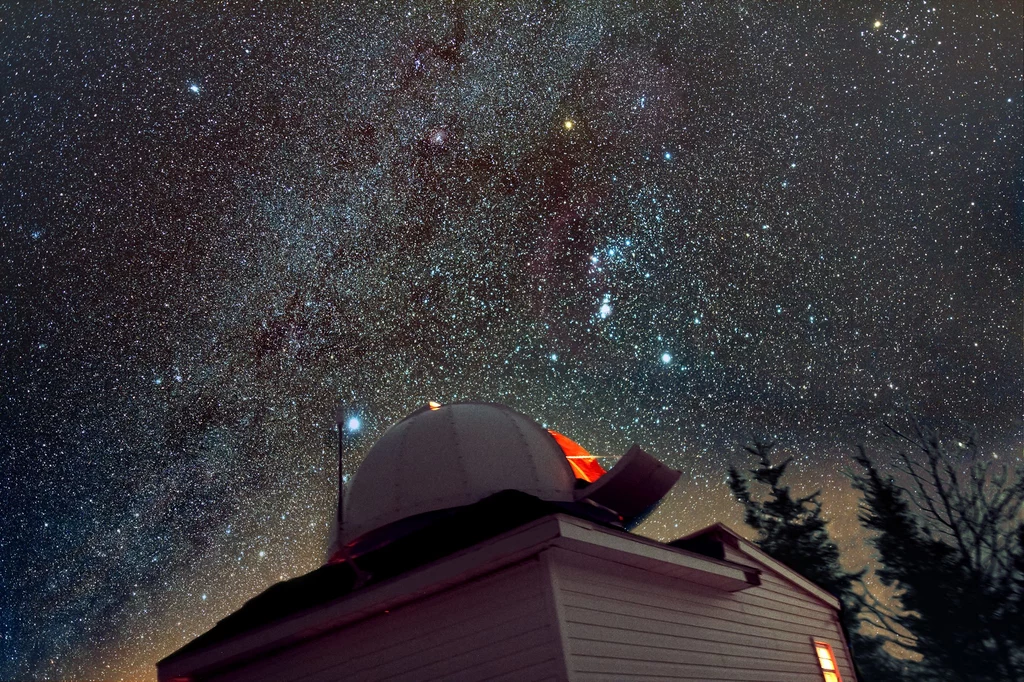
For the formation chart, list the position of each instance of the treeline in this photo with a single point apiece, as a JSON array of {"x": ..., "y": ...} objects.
[{"x": 947, "y": 526}]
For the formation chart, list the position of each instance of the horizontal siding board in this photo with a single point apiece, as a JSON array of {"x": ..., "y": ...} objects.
[
  {"x": 655, "y": 595},
  {"x": 480, "y": 629},
  {"x": 627, "y": 624},
  {"x": 775, "y": 597},
  {"x": 688, "y": 658},
  {"x": 517, "y": 616},
  {"x": 694, "y": 675},
  {"x": 370, "y": 643},
  {"x": 695, "y": 639},
  {"x": 642, "y": 622},
  {"x": 779, "y": 584},
  {"x": 652, "y": 589},
  {"x": 494, "y": 662},
  {"x": 483, "y": 655},
  {"x": 462, "y": 613},
  {"x": 608, "y": 573},
  {"x": 437, "y": 646},
  {"x": 788, "y": 594},
  {"x": 624, "y": 669},
  {"x": 538, "y": 672},
  {"x": 472, "y": 664},
  {"x": 758, "y": 597},
  {"x": 770, "y": 576},
  {"x": 686, "y": 603}
]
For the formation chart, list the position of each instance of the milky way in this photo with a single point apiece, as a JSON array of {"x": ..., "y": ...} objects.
[{"x": 679, "y": 224}]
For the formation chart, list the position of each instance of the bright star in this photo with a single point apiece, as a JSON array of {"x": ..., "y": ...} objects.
[
  {"x": 568, "y": 124},
  {"x": 878, "y": 23},
  {"x": 666, "y": 358},
  {"x": 194, "y": 88},
  {"x": 606, "y": 310},
  {"x": 354, "y": 424}
]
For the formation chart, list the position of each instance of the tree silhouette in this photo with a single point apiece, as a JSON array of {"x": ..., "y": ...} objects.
[
  {"x": 949, "y": 531},
  {"x": 793, "y": 531}
]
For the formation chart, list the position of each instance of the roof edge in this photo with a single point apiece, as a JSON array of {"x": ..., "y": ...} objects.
[
  {"x": 751, "y": 550},
  {"x": 478, "y": 560}
]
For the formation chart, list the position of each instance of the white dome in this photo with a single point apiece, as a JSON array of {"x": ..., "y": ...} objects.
[{"x": 452, "y": 456}]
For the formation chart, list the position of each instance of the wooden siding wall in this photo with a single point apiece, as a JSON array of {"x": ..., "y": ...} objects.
[
  {"x": 775, "y": 584},
  {"x": 622, "y": 624},
  {"x": 500, "y": 627}
]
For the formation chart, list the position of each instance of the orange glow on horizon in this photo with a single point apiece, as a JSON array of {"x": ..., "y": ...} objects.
[
  {"x": 434, "y": 405},
  {"x": 584, "y": 465}
]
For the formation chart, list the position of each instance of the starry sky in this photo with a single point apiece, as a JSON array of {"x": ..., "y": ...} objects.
[{"x": 678, "y": 223}]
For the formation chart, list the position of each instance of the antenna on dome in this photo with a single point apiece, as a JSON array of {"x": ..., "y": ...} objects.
[
  {"x": 352, "y": 424},
  {"x": 339, "y": 417},
  {"x": 338, "y": 551}
]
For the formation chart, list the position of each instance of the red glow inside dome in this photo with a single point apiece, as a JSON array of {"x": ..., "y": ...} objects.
[{"x": 584, "y": 465}]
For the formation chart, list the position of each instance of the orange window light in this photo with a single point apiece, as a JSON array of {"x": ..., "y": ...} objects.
[{"x": 827, "y": 661}]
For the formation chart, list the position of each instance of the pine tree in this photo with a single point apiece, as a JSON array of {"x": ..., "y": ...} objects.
[
  {"x": 950, "y": 539},
  {"x": 792, "y": 530}
]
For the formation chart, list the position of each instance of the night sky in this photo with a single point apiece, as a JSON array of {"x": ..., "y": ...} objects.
[{"x": 672, "y": 223}]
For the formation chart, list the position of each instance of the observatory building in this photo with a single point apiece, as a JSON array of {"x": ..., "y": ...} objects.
[{"x": 474, "y": 544}]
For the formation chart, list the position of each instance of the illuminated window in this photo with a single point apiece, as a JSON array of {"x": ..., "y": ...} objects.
[{"x": 827, "y": 661}]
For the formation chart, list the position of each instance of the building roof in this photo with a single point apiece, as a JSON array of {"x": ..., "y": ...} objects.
[
  {"x": 447, "y": 532},
  {"x": 454, "y": 492},
  {"x": 719, "y": 532},
  {"x": 455, "y": 549}
]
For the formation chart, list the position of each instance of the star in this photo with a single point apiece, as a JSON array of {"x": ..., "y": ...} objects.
[
  {"x": 437, "y": 137},
  {"x": 411, "y": 209}
]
